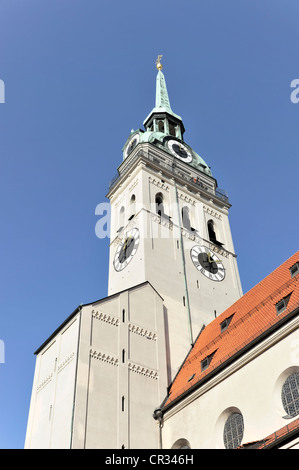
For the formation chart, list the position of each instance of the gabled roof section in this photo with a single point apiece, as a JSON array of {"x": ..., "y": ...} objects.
[
  {"x": 252, "y": 316},
  {"x": 77, "y": 310}
]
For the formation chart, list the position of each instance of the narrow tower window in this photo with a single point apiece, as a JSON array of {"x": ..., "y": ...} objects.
[
  {"x": 171, "y": 128},
  {"x": 212, "y": 233},
  {"x": 132, "y": 206},
  {"x": 161, "y": 126},
  {"x": 123, "y": 355},
  {"x": 186, "y": 218},
  {"x": 159, "y": 204},
  {"x": 121, "y": 218}
]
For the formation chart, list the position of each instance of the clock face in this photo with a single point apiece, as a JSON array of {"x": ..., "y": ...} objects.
[
  {"x": 207, "y": 262},
  {"x": 132, "y": 144},
  {"x": 126, "y": 249},
  {"x": 180, "y": 151}
]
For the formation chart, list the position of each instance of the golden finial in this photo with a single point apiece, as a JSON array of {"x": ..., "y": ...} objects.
[{"x": 158, "y": 63}]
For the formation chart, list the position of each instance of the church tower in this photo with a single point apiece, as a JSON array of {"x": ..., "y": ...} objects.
[
  {"x": 170, "y": 227},
  {"x": 102, "y": 373}
]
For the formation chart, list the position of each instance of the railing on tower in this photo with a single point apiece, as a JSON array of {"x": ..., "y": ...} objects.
[{"x": 195, "y": 180}]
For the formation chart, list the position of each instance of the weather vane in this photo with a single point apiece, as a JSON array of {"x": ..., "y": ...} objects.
[{"x": 158, "y": 63}]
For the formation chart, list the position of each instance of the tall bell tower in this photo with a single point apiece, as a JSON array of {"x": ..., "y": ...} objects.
[
  {"x": 102, "y": 373},
  {"x": 170, "y": 227}
]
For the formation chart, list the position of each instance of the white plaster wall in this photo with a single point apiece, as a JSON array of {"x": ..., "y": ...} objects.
[
  {"x": 117, "y": 394},
  {"x": 51, "y": 408}
]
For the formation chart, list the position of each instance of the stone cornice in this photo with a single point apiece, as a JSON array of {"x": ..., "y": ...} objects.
[
  {"x": 104, "y": 357},
  {"x": 143, "y": 370},
  {"x": 142, "y": 332},
  {"x": 105, "y": 318}
]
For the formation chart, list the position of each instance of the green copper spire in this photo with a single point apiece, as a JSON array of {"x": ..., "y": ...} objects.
[
  {"x": 162, "y": 104},
  {"x": 162, "y": 99},
  {"x": 163, "y": 128}
]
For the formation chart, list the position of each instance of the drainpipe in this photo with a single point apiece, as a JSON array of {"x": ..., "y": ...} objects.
[{"x": 158, "y": 416}]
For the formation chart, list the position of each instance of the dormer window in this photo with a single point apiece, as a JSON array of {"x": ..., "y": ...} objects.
[
  {"x": 225, "y": 323},
  {"x": 294, "y": 270},
  {"x": 282, "y": 304},
  {"x": 206, "y": 361}
]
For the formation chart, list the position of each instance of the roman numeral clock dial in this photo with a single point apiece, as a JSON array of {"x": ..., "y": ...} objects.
[
  {"x": 126, "y": 249},
  {"x": 180, "y": 151},
  {"x": 207, "y": 262}
]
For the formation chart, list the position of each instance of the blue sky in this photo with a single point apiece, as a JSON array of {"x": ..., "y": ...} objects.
[{"x": 79, "y": 75}]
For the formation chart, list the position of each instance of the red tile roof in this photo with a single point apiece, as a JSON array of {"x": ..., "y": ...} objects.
[
  {"x": 277, "y": 438},
  {"x": 253, "y": 314}
]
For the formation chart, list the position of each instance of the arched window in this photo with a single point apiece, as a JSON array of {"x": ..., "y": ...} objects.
[
  {"x": 121, "y": 218},
  {"x": 159, "y": 204},
  {"x": 290, "y": 395},
  {"x": 211, "y": 230},
  {"x": 181, "y": 444},
  {"x": 186, "y": 218},
  {"x": 132, "y": 206},
  {"x": 160, "y": 126},
  {"x": 171, "y": 128},
  {"x": 212, "y": 233},
  {"x": 233, "y": 431}
]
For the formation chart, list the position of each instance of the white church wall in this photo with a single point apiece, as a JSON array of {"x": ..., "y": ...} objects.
[
  {"x": 143, "y": 396},
  {"x": 50, "y": 415},
  {"x": 122, "y": 371}
]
